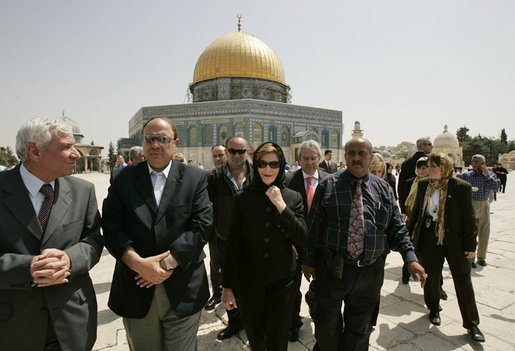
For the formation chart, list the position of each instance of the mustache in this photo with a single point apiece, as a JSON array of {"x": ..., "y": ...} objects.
[{"x": 357, "y": 163}]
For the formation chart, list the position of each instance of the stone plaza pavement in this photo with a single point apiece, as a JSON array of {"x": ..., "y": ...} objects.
[{"x": 402, "y": 323}]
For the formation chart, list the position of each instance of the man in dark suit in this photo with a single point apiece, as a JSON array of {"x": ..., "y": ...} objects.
[
  {"x": 328, "y": 165},
  {"x": 424, "y": 147},
  {"x": 155, "y": 220},
  {"x": 49, "y": 240},
  {"x": 304, "y": 181}
]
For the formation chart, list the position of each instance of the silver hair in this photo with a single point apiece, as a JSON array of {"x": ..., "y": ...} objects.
[
  {"x": 135, "y": 151},
  {"x": 39, "y": 130},
  {"x": 423, "y": 141},
  {"x": 310, "y": 144},
  {"x": 479, "y": 156}
]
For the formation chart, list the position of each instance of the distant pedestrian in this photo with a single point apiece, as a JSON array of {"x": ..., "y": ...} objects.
[{"x": 484, "y": 183}]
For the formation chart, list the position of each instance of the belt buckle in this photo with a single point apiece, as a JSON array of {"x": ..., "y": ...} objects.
[{"x": 360, "y": 263}]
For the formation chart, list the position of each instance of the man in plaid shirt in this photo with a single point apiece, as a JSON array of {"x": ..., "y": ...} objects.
[
  {"x": 337, "y": 276},
  {"x": 483, "y": 182}
]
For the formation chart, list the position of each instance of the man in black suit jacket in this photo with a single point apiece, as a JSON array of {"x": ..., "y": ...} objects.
[
  {"x": 328, "y": 165},
  {"x": 309, "y": 156},
  {"x": 49, "y": 240},
  {"x": 424, "y": 147},
  {"x": 155, "y": 220}
]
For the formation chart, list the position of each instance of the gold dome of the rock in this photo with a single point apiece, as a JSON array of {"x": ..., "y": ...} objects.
[{"x": 239, "y": 55}]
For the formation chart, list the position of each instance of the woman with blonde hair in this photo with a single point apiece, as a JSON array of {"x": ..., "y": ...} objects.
[{"x": 443, "y": 226}]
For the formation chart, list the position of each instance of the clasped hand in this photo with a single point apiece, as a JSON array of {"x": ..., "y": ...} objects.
[{"x": 52, "y": 267}]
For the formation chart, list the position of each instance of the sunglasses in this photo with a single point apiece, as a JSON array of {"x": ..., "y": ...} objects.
[
  {"x": 160, "y": 139},
  {"x": 237, "y": 151},
  {"x": 272, "y": 164}
]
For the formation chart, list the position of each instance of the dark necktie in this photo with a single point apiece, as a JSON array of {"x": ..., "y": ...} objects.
[
  {"x": 46, "y": 207},
  {"x": 356, "y": 235}
]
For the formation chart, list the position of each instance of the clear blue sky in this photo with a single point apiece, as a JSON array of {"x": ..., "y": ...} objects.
[{"x": 402, "y": 68}]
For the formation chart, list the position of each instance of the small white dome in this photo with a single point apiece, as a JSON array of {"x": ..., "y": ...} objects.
[{"x": 446, "y": 140}]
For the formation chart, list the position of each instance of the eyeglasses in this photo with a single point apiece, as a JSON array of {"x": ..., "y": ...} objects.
[
  {"x": 237, "y": 151},
  {"x": 272, "y": 164},
  {"x": 429, "y": 144},
  {"x": 160, "y": 139}
]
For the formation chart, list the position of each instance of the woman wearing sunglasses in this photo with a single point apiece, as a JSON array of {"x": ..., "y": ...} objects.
[{"x": 267, "y": 222}]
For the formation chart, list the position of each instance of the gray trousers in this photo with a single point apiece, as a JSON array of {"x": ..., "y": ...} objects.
[{"x": 161, "y": 329}]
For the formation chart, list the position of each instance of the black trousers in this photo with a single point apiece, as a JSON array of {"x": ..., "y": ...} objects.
[
  {"x": 266, "y": 315},
  {"x": 360, "y": 290},
  {"x": 296, "y": 320},
  {"x": 234, "y": 314},
  {"x": 214, "y": 265},
  {"x": 432, "y": 258}
]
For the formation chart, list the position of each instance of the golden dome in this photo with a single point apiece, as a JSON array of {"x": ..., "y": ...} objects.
[{"x": 240, "y": 55}]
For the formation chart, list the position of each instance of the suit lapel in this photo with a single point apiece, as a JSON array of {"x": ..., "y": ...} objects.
[
  {"x": 60, "y": 208},
  {"x": 144, "y": 186},
  {"x": 17, "y": 200},
  {"x": 299, "y": 184},
  {"x": 172, "y": 182}
]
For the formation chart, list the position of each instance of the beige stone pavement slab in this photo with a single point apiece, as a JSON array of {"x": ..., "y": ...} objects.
[{"x": 402, "y": 323}]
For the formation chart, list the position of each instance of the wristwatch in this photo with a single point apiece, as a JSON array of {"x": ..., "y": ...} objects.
[{"x": 167, "y": 265}]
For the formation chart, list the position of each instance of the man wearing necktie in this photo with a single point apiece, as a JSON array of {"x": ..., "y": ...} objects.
[
  {"x": 327, "y": 164},
  {"x": 305, "y": 180},
  {"x": 156, "y": 218},
  {"x": 353, "y": 223},
  {"x": 49, "y": 240}
]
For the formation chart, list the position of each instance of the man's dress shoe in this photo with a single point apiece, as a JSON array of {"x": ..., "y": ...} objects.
[
  {"x": 476, "y": 335},
  {"x": 212, "y": 302},
  {"x": 228, "y": 332},
  {"x": 434, "y": 318}
]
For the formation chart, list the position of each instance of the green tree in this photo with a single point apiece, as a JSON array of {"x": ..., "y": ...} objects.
[
  {"x": 462, "y": 134},
  {"x": 504, "y": 137},
  {"x": 111, "y": 155},
  {"x": 7, "y": 157}
]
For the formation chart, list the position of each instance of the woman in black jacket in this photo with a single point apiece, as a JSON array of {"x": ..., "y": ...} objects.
[
  {"x": 267, "y": 222},
  {"x": 444, "y": 226}
]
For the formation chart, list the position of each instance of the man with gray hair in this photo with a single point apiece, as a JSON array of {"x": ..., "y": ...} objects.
[
  {"x": 49, "y": 240},
  {"x": 305, "y": 181},
  {"x": 424, "y": 147},
  {"x": 136, "y": 155},
  {"x": 483, "y": 182}
]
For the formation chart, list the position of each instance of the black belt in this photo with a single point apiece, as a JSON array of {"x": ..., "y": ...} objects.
[{"x": 356, "y": 263}]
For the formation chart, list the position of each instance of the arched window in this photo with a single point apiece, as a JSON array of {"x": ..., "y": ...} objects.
[
  {"x": 272, "y": 134},
  {"x": 257, "y": 133},
  {"x": 207, "y": 135},
  {"x": 285, "y": 136},
  {"x": 192, "y": 136},
  {"x": 239, "y": 129},
  {"x": 325, "y": 138},
  {"x": 222, "y": 134},
  {"x": 335, "y": 138}
]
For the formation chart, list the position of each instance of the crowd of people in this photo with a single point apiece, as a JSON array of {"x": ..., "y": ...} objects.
[{"x": 267, "y": 226}]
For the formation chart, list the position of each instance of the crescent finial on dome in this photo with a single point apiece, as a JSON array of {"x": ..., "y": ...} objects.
[{"x": 239, "y": 22}]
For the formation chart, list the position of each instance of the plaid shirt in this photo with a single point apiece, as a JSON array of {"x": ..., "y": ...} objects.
[
  {"x": 328, "y": 220},
  {"x": 485, "y": 186}
]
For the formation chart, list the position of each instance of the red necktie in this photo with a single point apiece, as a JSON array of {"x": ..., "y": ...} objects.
[
  {"x": 46, "y": 207},
  {"x": 310, "y": 191},
  {"x": 356, "y": 235}
]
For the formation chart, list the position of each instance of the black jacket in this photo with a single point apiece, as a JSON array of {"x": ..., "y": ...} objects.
[
  {"x": 259, "y": 248},
  {"x": 222, "y": 193}
]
